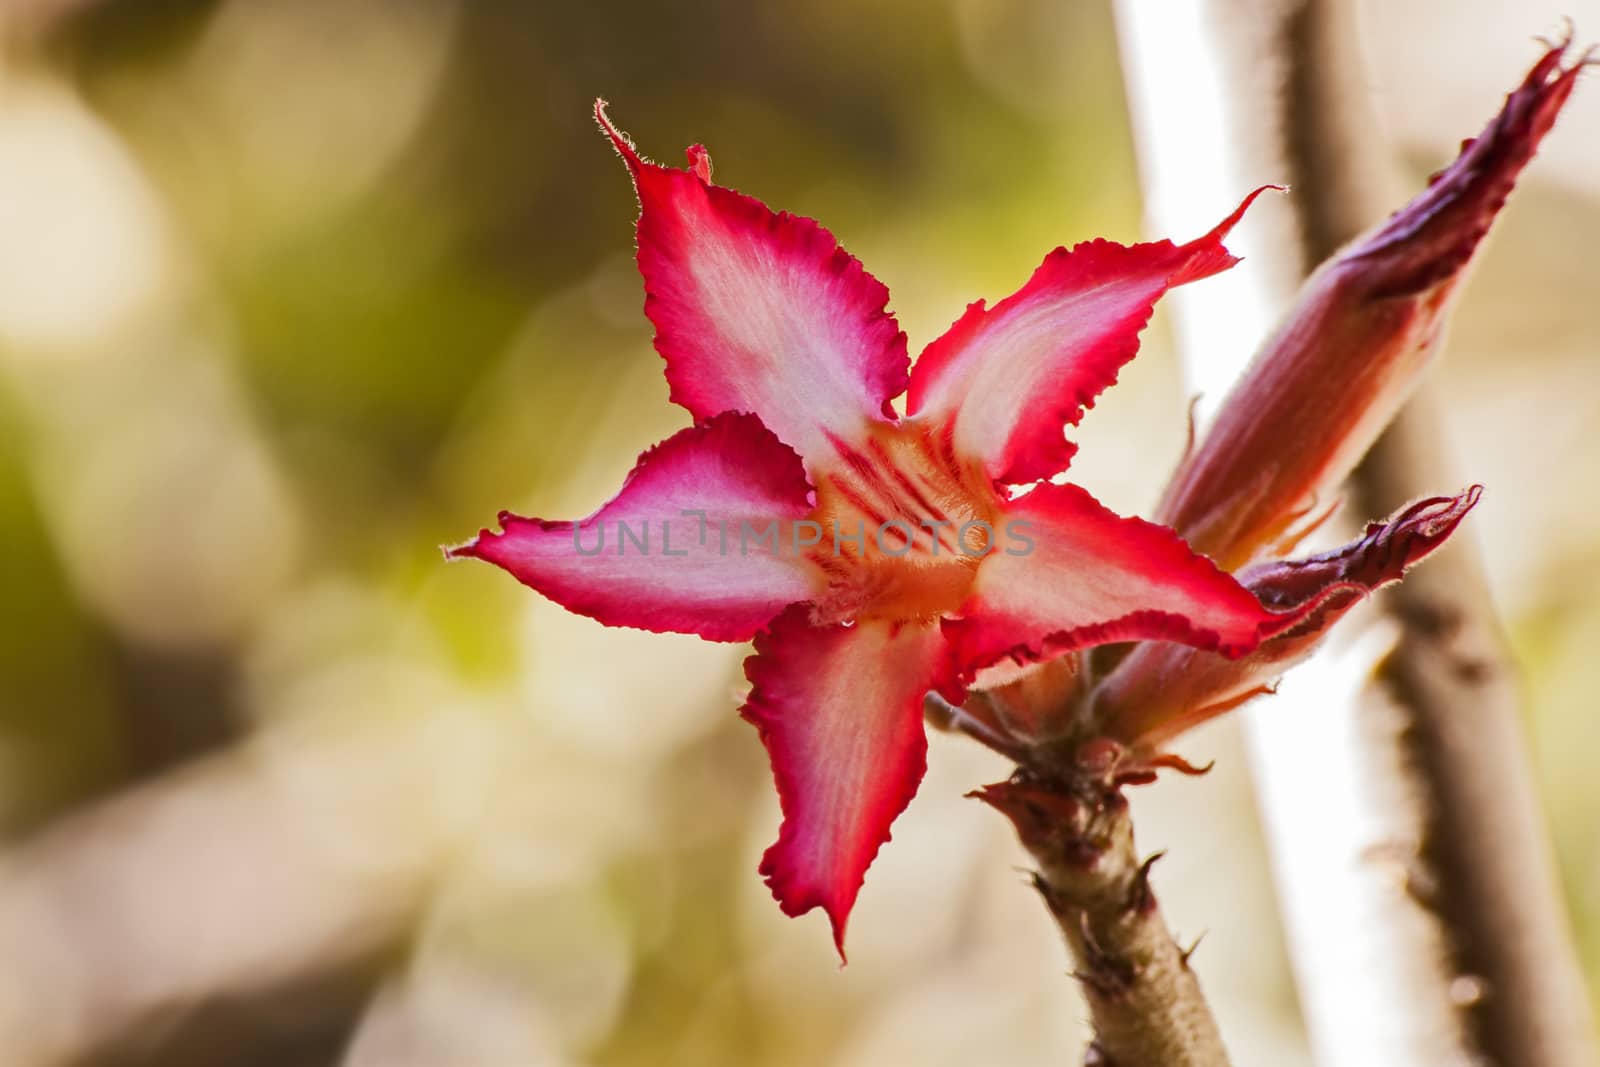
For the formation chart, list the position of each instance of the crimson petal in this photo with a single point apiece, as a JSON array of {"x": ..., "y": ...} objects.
[
  {"x": 760, "y": 311},
  {"x": 1011, "y": 377},
  {"x": 684, "y": 546},
  {"x": 1069, "y": 573},
  {"x": 840, "y": 711}
]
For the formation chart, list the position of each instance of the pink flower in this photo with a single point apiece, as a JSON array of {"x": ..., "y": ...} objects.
[{"x": 872, "y": 557}]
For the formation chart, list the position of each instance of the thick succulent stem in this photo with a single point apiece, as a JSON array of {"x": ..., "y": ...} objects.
[{"x": 1146, "y": 1004}]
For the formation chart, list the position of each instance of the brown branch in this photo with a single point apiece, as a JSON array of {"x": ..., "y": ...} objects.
[
  {"x": 1485, "y": 843},
  {"x": 1147, "y": 1006}
]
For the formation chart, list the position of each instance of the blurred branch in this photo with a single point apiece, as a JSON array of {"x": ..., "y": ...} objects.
[
  {"x": 1493, "y": 878},
  {"x": 1466, "y": 956}
]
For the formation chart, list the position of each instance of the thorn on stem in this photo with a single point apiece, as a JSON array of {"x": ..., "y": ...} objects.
[
  {"x": 1184, "y": 954},
  {"x": 1141, "y": 900},
  {"x": 1053, "y": 898},
  {"x": 1105, "y": 985}
]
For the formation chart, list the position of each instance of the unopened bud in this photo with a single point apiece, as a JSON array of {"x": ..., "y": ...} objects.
[
  {"x": 1362, "y": 329},
  {"x": 1161, "y": 689}
]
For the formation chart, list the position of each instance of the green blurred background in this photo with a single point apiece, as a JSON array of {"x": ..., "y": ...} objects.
[{"x": 293, "y": 291}]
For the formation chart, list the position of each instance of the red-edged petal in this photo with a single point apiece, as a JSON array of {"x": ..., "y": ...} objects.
[
  {"x": 1161, "y": 690},
  {"x": 1011, "y": 377},
  {"x": 761, "y": 312},
  {"x": 697, "y": 507},
  {"x": 840, "y": 711},
  {"x": 1068, "y": 573}
]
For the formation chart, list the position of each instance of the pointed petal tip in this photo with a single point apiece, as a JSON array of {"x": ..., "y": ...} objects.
[
  {"x": 465, "y": 550},
  {"x": 795, "y": 908},
  {"x": 1221, "y": 229},
  {"x": 619, "y": 140},
  {"x": 1008, "y": 378},
  {"x": 1433, "y": 237},
  {"x": 795, "y": 899},
  {"x": 481, "y": 544},
  {"x": 1207, "y": 256}
]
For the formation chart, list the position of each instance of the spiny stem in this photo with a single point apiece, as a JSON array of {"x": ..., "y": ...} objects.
[{"x": 1146, "y": 1003}]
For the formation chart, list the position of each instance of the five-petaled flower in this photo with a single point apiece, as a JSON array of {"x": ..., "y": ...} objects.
[{"x": 780, "y": 346}]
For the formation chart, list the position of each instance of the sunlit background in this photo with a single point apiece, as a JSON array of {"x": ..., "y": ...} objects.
[{"x": 292, "y": 292}]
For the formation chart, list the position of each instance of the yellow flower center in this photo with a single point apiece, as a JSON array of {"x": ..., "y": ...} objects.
[{"x": 902, "y": 523}]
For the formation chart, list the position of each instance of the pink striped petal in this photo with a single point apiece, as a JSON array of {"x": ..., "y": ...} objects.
[
  {"x": 1011, "y": 377},
  {"x": 761, "y": 312},
  {"x": 840, "y": 711},
  {"x": 1068, "y": 573},
  {"x": 682, "y": 547}
]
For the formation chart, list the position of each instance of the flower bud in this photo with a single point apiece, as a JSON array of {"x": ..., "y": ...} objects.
[
  {"x": 1362, "y": 329},
  {"x": 1162, "y": 689}
]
